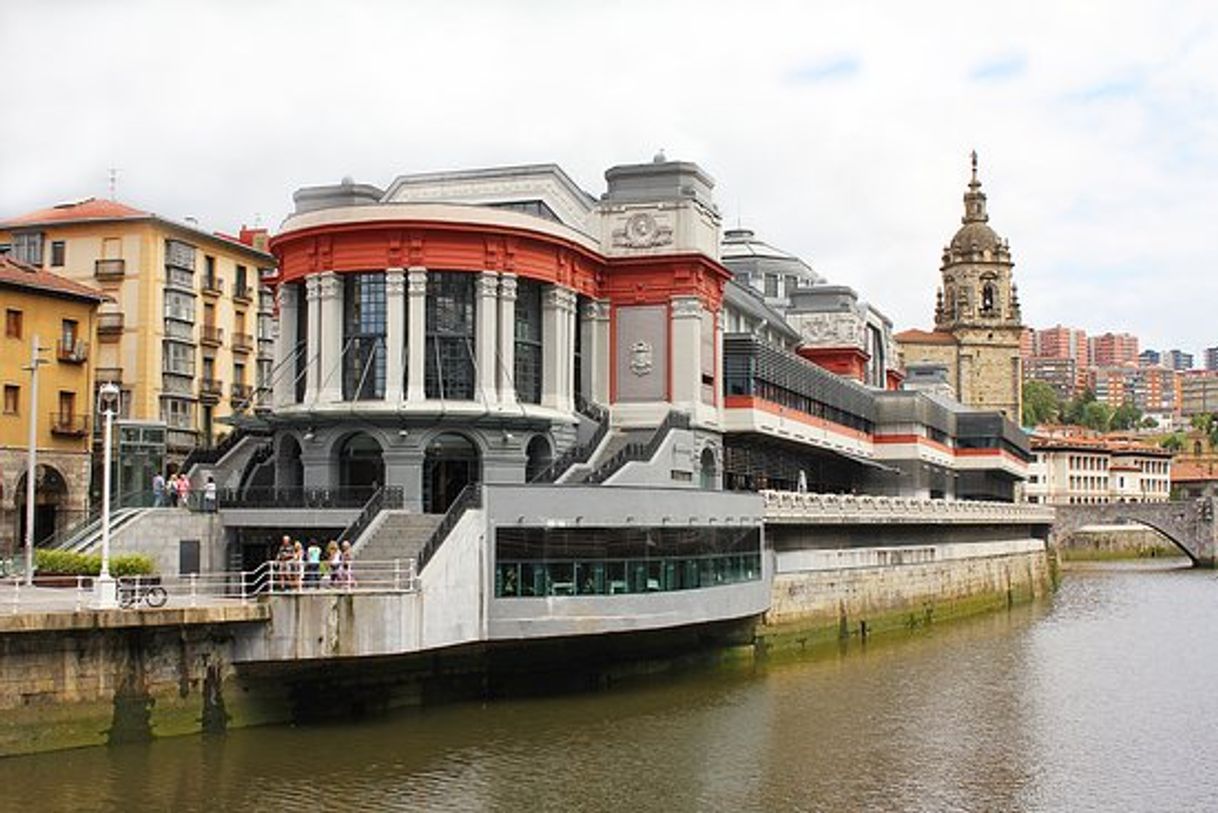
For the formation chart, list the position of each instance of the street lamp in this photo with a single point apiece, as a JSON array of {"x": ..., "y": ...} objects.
[{"x": 104, "y": 588}]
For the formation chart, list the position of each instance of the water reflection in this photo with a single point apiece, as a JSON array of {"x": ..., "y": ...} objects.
[{"x": 1096, "y": 702}]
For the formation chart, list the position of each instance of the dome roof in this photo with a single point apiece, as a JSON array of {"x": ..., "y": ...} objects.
[
  {"x": 742, "y": 251},
  {"x": 976, "y": 236}
]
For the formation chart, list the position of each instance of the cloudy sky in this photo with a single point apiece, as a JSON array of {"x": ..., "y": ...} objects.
[{"x": 838, "y": 131}]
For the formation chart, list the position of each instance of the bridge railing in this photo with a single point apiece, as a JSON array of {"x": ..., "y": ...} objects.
[{"x": 805, "y": 507}]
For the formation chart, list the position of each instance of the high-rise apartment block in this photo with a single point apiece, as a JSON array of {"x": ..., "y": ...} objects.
[
  {"x": 1113, "y": 349},
  {"x": 1211, "y": 358},
  {"x": 1198, "y": 392},
  {"x": 1178, "y": 360}
]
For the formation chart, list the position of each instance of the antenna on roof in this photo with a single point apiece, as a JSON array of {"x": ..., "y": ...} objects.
[{"x": 113, "y": 181}]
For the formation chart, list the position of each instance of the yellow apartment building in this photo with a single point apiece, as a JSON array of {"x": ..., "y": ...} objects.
[
  {"x": 62, "y": 315},
  {"x": 188, "y": 335}
]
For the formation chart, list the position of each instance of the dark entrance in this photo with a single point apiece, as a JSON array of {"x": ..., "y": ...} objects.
[
  {"x": 450, "y": 464},
  {"x": 50, "y": 495},
  {"x": 538, "y": 456},
  {"x": 361, "y": 469}
]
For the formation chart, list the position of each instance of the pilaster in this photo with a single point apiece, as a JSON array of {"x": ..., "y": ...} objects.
[
  {"x": 395, "y": 333},
  {"x": 416, "y": 325},
  {"x": 313, "y": 339},
  {"x": 507, "y": 340},
  {"x": 284, "y": 387},
  {"x": 557, "y": 349},
  {"x": 595, "y": 346},
  {"x": 486, "y": 316},
  {"x": 686, "y": 350},
  {"x": 330, "y": 292}
]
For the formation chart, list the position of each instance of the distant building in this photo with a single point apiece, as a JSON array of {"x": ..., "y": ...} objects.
[
  {"x": 978, "y": 326},
  {"x": 1198, "y": 392},
  {"x": 1149, "y": 389},
  {"x": 1211, "y": 358},
  {"x": 1150, "y": 358},
  {"x": 62, "y": 314},
  {"x": 1059, "y": 373},
  {"x": 1178, "y": 360},
  {"x": 1112, "y": 349},
  {"x": 1071, "y": 467},
  {"x": 188, "y": 336},
  {"x": 1191, "y": 480}
]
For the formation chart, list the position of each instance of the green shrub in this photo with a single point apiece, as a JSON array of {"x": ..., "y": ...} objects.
[{"x": 70, "y": 563}]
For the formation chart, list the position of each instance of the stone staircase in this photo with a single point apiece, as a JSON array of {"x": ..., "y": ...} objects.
[{"x": 396, "y": 535}]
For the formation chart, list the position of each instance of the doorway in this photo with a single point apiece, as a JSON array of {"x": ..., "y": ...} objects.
[{"x": 449, "y": 465}]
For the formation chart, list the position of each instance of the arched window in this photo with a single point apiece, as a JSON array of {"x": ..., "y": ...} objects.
[
  {"x": 449, "y": 369},
  {"x": 707, "y": 475},
  {"x": 450, "y": 463},
  {"x": 539, "y": 455},
  {"x": 989, "y": 295},
  {"x": 527, "y": 374},
  {"x": 361, "y": 467}
]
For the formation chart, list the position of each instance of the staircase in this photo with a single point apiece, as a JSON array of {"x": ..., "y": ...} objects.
[{"x": 396, "y": 535}]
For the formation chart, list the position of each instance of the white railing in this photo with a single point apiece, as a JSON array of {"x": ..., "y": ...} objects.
[
  {"x": 75, "y": 593},
  {"x": 797, "y": 507}
]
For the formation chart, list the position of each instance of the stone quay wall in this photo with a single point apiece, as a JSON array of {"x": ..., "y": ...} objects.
[{"x": 1115, "y": 542}]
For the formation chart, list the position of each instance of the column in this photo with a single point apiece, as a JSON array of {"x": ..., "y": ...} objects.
[
  {"x": 284, "y": 386},
  {"x": 557, "y": 349},
  {"x": 486, "y": 317},
  {"x": 416, "y": 324},
  {"x": 312, "y": 348},
  {"x": 686, "y": 349},
  {"x": 330, "y": 292},
  {"x": 395, "y": 333},
  {"x": 596, "y": 351},
  {"x": 507, "y": 340}
]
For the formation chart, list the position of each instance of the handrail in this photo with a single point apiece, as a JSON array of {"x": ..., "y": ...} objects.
[
  {"x": 92, "y": 518},
  {"x": 580, "y": 453},
  {"x": 294, "y": 498},
  {"x": 470, "y": 497},
  {"x": 384, "y": 497},
  {"x": 635, "y": 452}
]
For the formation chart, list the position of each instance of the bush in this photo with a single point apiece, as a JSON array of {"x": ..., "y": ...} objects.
[{"x": 70, "y": 563}]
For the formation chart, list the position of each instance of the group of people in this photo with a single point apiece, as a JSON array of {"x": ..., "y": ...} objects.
[
  {"x": 175, "y": 492},
  {"x": 300, "y": 567}
]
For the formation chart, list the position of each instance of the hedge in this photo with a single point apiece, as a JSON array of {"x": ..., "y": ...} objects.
[{"x": 70, "y": 563}]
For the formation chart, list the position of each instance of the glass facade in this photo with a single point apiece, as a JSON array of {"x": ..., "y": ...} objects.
[
  {"x": 538, "y": 562},
  {"x": 527, "y": 374},
  {"x": 363, "y": 336},
  {"x": 302, "y": 345},
  {"x": 450, "y": 331}
]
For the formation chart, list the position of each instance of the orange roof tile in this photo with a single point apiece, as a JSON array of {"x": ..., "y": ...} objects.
[
  {"x": 18, "y": 274},
  {"x": 87, "y": 209},
  {"x": 1187, "y": 472},
  {"x": 915, "y": 336}
]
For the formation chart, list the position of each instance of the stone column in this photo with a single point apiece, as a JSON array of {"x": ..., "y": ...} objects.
[
  {"x": 395, "y": 333},
  {"x": 507, "y": 340},
  {"x": 686, "y": 351},
  {"x": 331, "y": 293},
  {"x": 557, "y": 349},
  {"x": 416, "y": 324},
  {"x": 312, "y": 348},
  {"x": 596, "y": 351},
  {"x": 284, "y": 387},
  {"x": 486, "y": 317}
]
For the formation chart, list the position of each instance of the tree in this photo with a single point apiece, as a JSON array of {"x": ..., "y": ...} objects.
[
  {"x": 1040, "y": 403},
  {"x": 1149, "y": 423},
  {"x": 1126, "y": 416},
  {"x": 1097, "y": 416},
  {"x": 1073, "y": 410},
  {"x": 1173, "y": 442}
]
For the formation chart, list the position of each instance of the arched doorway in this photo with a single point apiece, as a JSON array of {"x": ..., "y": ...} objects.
[
  {"x": 50, "y": 496},
  {"x": 361, "y": 468},
  {"x": 290, "y": 471},
  {"x": 706, "y": 469},
  {"x": 450, "y": 463},
  {"x": 539, "y": 456}
]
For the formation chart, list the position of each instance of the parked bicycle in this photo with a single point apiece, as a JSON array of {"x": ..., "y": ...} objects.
[{"x": 132, "y": 591}]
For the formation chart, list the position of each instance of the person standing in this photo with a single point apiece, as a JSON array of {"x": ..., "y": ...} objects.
[
  {"x": 209, "y": 495},
  {"x": 312, "y": 564},
  {"x": 158, "y": 490},
  {"x": 172, "y": 490},
  {"x": 348, "y": 562},
  {"x": 184, "y": 491}
]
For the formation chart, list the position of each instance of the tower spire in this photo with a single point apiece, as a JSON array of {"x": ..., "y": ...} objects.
[{"x": 974, "y": 198}]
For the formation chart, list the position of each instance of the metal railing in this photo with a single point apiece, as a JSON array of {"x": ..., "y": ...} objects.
[
  {"x": 295, "y": 497},
  {"x": 72, "y": 351},
  {"x": 74, "y": 425},
  {"x": 243, "y": 342},
  {"x": 109, "y": 269},
  {"x": 639, "y": 452},
  {"x": 470, "y": 497},
  {"x": 212, "y": 285},
  {"x": 386, "y": 497},
  {"x": 580, "y": 453},
  {"x": 242, "y": 291},
  {"x": 210, "y": 334}
]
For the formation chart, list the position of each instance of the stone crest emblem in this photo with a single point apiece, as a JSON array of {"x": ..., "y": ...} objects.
[{"x": 641, "y": 358}]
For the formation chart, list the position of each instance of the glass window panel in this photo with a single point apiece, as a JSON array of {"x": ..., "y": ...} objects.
[
  {"x": 450, "y": 332},
  {"x": 527, "y": 372}
]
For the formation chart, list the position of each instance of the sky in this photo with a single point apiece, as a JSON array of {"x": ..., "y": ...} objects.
[{"x": 837, "y": 131}]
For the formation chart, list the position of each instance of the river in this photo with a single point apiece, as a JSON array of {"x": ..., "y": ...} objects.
[{"x": 1101, "y": 699}]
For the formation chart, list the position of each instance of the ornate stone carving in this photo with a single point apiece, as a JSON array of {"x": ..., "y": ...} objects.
[
  {"x": 312, "y": 288},
  {"x": 596, "y": 310},
  {"x": 488, "y": 285},
  {"x": 507, "y": 287},
  {"x": 642, "y": 230},
  {"x": 641, "y": 358},
  {"x": 686, "y": 306},
  {"x": 395, "y": 282},
  {"x": 416, "y": 280},
  {"x": 832, "y": 329},
  {"x": 329, "y": 286}
]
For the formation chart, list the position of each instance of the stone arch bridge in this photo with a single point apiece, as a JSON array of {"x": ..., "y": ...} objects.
[{"x": 1190, "y": 524}]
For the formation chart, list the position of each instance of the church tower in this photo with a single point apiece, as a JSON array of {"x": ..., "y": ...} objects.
[{"x": 978, "y": 304}]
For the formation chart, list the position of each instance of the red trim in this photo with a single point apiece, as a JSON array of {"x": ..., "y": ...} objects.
[
  {"x": 934, "y": 444},
  {"x": 762, "y": 405},
  {"x": 850, "y": 362}
]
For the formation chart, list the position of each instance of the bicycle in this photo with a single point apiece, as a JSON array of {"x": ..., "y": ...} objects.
[{"x": 131, "y": 592}]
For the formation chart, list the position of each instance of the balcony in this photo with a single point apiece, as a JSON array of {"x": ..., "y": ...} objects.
[
  {"x": 176, "y": 382},
  {"x": 181, "y": 331},
  {"x": 262, "y": 399},
  {"x": 110, "y": 326},
  {"x": 211, "y": 390},
  {"x": 74, "y": 426},
  {"x": 243, "y": 293},
  {"x": 211, "y": 335},
  {"x": 241, "y": 394},
  {"x": 109, "y": 269},
  {"x": 242, "y": 342},
  {"x": 73, "y": 351},
  {"x": 181, "y": 439},
  {"x": 213, "y": 286},
  {"x": 179, "y": 279}
]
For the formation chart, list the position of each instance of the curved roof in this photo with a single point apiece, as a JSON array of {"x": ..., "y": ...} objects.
[
  {"x": 976, "y": 236},
  {"x": 740, "y": 249}
]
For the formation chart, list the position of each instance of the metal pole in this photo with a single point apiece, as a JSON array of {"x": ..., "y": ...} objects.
[
  {"x": 31, "y": 466},
  {"x": 104, "y": 590}
]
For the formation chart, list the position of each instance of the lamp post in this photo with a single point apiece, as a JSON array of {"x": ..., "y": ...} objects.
[
  {"x": 104, "y": 588},
  {"x": 32, "y": 460}
]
